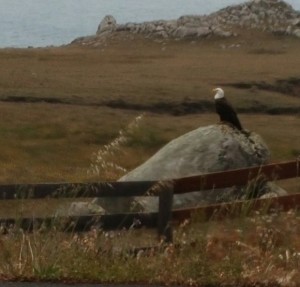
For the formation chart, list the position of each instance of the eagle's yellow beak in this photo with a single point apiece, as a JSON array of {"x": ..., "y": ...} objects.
[{"x": 214, "y": 90}]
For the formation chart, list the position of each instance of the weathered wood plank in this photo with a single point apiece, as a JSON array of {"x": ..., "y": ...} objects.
[
  {"x": 134, "y": 220},
  {"x": 235, "y": 209},
  {"x": 238, "y": 177},
  {"x": 74, "y": 190},
  {"x": 83, "y": 223},
  {"x": 143, "y": 188},
  {"x": 164, "y": 225}
]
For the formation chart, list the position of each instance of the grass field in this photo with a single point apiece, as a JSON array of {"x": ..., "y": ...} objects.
[
  {"x": 60, "y": 106},
  {"x": 55, "y": 114}
]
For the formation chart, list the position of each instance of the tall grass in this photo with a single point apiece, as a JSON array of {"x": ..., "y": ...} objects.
[
  {"x": 264, "y": 248},
  {"x": 261, "y": 248},
  {"x": 105, "y": 161}
]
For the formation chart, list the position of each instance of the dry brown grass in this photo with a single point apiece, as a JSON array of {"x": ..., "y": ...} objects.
[
  {"x": 262, "y": 249},
  {"x": 42, "y": 142},
  {"x": 144, "y": 71},
  {"x": 57, "y": 142}
]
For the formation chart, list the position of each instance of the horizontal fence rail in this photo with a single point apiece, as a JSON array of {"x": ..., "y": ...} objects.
[
  {"x": 127, "y": 220},
  {"x": 72, "y": 190},
  {"x": 239, "y": 177},
  {"x": 84, "y": 223},
  {"x": 163, "y": 189},
  {"x": 236, "y": 208}
]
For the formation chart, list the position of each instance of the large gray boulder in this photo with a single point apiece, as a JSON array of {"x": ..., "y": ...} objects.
[{"x": 206, "y": 149}]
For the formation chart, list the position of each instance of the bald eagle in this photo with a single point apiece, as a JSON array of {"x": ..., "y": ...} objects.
[{"x": 225, "y": 110}]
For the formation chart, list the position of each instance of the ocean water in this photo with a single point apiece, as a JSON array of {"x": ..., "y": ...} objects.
[{"x": 40, "y": 23}]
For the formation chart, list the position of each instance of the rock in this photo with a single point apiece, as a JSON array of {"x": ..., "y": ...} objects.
[
  {"x": 289, "y": 30},
  {"x": 204, "y": 150},
  {"x": 185, "y": 32},
  {"x": 221, "y": 33},
  {"x": 295, "y": 22},
  {"x": 296, "y": 33},
  {"x": 273, "y": 191},
  {"x": 274, "y": 16},
  {"x": 124, "y": 27},
  {"x": 80, "y": 209},
  {"x": 107, "y": 25}
]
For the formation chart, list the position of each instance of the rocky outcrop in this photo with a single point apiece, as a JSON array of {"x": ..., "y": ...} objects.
[
  {"x": 274, "y": 16},
  {"x": 258, "y": 14},
  {"x": 107, "y": 25}
]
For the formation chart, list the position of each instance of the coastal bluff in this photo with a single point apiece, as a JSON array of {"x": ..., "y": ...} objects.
[{"x": 273, "y": 16}]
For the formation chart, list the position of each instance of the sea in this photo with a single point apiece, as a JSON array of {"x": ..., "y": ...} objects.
[{"x": 40, "y": 23}]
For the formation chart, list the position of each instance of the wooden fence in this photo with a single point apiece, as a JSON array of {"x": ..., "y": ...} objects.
[{"x": 164, "y": 190}]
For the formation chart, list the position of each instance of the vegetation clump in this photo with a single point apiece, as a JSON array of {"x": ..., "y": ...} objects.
[{"x": 261, "y": 248}]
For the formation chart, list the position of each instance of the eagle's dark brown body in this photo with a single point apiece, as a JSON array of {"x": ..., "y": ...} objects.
[{"x": 227, "y": 112}]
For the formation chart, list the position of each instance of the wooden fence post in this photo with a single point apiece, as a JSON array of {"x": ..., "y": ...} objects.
[{"x": 165, "y": 231}]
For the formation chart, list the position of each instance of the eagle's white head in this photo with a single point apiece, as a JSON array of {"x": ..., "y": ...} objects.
[{"x": 219, "y": 93}]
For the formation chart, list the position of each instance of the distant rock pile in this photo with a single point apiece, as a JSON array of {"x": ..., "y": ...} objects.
[{"x": 267, "y": 15}]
